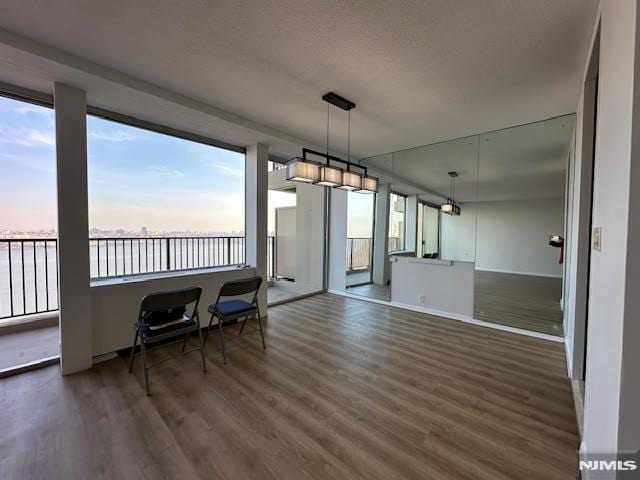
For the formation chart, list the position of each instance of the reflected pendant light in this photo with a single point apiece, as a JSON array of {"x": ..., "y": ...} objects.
[{"x": 451, "y": 207}]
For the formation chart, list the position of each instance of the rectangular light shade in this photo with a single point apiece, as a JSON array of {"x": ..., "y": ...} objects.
[
  {"x": 369, "y": 184},
  {"x": 301, "y": 170},
  {"x": 450, "y": 208},
  {"x": 329, "y": 176},
  {"x": 351, "y": 181}
]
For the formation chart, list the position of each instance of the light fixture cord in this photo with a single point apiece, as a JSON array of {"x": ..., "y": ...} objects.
[
  {"x": 348, "y": 139},
  {"x": 327, "y": 133}
]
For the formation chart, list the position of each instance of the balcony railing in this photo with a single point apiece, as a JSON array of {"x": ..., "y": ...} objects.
[
  {"x": 358, "y": 253},
  {"x": 28, "y": 276},
  {"x": 29, "y": 267},
  {"x": 118, "y": 257}
]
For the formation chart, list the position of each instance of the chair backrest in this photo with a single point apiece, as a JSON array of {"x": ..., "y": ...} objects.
[
  {"x": 243, "y": 286},
  {"x": 169, "y": 301}
]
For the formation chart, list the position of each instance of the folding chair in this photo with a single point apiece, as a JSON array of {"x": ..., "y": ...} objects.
[
  {"x": 234, "y": 309},
  {"x": 164, "y": 316}
]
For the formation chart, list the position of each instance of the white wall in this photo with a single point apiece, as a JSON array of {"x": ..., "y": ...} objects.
[
  {"x": 381, "y": 269},
  {"x": 115, "y": 302},
  {"x": 513, "y": 236},
  {"x": 458, "y": 235},
  {"x": 611, "y": 394},
  {"x": 337, "y": 240},
  {"x": 447, "y": 287},
  {"x": 256, "y": 200},
  {"x": 309, "y": 238}
]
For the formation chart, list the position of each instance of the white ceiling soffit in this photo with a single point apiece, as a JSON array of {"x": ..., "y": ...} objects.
[
  {"x": 523, "y": 162},
  {"x": 419, "y": 72}
]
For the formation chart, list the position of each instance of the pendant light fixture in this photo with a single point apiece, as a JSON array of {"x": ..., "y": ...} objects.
[
  {"x": 451, "y": 207},
  {"x": 301, "y": 169}
]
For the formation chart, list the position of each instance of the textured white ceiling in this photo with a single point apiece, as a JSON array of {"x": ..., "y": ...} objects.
[{"x": 420, "y": 71}]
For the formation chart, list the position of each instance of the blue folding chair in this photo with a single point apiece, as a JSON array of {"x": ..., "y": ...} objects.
[
  {"x": 164, "y": 316},
  {"x": 233, "y": 309}
]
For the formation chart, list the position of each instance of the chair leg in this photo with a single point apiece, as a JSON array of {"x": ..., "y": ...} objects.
[
  {"x": 184, "y": 344},
  {"x": 133, "y": 350},
  {"x": 204, "y": 364},
  {"x": 206, "y": 334},
  {"x": 243, "y": 324},
  {"x": 144, "y": 367},
  {"x": 224, "y": 357},
  {"x": 261, "y": 335}
]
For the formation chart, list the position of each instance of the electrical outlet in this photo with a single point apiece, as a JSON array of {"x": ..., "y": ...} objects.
[{"x": 420, "y": 298}]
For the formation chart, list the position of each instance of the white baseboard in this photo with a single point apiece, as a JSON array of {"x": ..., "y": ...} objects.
[
  {"x": 515, "y": 272},
  {"x": 451, "y": 316}
]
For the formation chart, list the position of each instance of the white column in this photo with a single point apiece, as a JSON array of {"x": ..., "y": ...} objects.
[
  {"x": 411, "y": 226},
  {"x": 256, "y": 188},
  {"x": 309, "y": 238},
  {"x": 73, "y": 228},
  {"x": 337, "y": 240},
  {"x": 381, "y": 270}
]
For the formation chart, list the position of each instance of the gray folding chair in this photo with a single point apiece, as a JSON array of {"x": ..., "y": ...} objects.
[
  {"x": 234, "y": 309},
  {"x": 163, "y": 316}
]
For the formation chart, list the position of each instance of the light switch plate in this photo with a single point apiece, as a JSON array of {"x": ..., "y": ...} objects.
[{"x": 596, "y": 238}]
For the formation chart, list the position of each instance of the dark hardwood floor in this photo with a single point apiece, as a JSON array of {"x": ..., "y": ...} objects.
[{"x": 345, "y": 389}]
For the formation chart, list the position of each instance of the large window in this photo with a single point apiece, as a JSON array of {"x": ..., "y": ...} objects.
[
  {"x": 158, "y": 202},
  {"x": 397, "y": 222},
  {"x": 28, "y": 217}
]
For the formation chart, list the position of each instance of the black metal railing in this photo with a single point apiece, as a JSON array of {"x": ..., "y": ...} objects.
[
  {"x": 29, "y": 266},
  {"x": 118, "y": 257},
  {"x": 28, "y": 276},
  {"x": 358, "y": 253}
]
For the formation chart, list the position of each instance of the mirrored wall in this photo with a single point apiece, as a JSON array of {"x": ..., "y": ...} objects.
[{"x": 493, "y": 253}]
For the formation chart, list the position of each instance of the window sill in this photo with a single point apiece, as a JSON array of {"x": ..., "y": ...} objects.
[{"x": 103, "y": 282}]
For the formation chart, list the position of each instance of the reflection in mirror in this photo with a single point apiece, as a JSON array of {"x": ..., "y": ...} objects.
[
  {"x": 370, "y": 235},
  {"x": 360, "y": 212},
  {"x": 397, "y": 222},
  {"x": 470, "y": 227},
  {"x": 429, "y": 177},
  {"x": 518, "y": 279},
  {"x": 295, "y": 237}
]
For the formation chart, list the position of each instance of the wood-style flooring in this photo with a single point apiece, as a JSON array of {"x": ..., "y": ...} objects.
[
  {"x": 521, "y": 301},
  {"x": 346, "y": 389}
]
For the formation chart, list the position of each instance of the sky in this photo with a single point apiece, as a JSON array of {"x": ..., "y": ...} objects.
[{"x": 136, "y": 178}]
